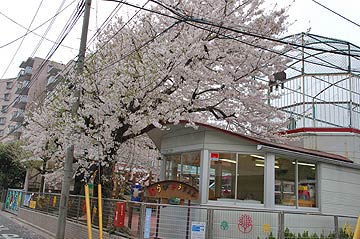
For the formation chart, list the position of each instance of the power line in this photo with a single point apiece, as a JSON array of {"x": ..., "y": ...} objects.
[
  {"x": 47, "y": 30},
  {"x": 121, "y": 28},
  {"x": 343, "y": 17},
  {"x": 105, "y": 23},
  {"x": 17, "y": 50},
  {"x": 182, "y": 20},
  {"x": 138, "y": 48},
  {"x": 32, "y": 31},
  {"x": 188, "y": 21},
  {"x": 66, "y": 68},
  {"x": 222, "y": 26},
  {"x": 70, "y": 24}
]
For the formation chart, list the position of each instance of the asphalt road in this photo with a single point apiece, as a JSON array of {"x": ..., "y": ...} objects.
[{"x": 11, "y": 227}]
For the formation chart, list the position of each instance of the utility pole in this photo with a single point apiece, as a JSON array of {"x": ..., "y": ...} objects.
[{"x": 69, "y": 156}]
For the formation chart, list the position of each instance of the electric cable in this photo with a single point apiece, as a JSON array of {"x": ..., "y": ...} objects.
[
  {"x": 256, "y": 35},
  {"x": 47, "y": 30},
  {"x": 185, "y": 21},
  {"x": 70, "y": 24},
  {"x": 138, "y": 48},
  {"x": 45, "y": 91},
  {"x": 242, "y": 41},
  {"x": 23, "y": 39},
  {"x": 105, "y": 23},
  {"x": 338, "y": 14},
  {"x": 32, "y": 31},
  {"x": 118, "y": 31}
]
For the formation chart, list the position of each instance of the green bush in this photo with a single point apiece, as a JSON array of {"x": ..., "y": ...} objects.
[{"x": 305, "y": 235}]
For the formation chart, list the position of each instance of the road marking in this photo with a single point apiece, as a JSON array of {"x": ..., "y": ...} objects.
[
  {"x": 3, "y": 228},
  {"x": 7, "y": 236}
]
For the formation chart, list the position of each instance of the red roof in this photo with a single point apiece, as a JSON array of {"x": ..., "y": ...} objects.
[{"x": 276, "y": 145}]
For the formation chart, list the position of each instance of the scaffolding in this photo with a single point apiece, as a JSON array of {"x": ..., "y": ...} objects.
[{"x": 321, "y": 87}]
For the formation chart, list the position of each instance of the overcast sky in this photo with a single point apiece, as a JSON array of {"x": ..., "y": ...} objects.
[{"x": 305, "y": 15}]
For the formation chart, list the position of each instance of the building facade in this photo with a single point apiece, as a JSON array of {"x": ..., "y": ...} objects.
[
  {"x": 7, "y": 97},
  {"x": 236, "y": 171},
  {"x": 27, "y": 90}
]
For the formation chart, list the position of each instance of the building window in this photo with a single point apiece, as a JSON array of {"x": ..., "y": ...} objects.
[
  {"x": 237, "y": 176},
  {"x": 7, "y": 96},
  {"x": 4, "y": 108},
  {"x": 9, "y": 85},
  {"x": 2, "y": 120},
  {"x": 1, "y": 133},
  {"x": 184, "y": 167},
  {"x": 295, "y": 183}
]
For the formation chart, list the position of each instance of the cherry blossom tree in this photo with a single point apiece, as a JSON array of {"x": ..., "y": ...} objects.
[{"x": 183, "y": 60}]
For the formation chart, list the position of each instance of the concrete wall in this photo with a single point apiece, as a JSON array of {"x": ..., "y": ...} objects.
[
  {"x": 225, "y": 142},
  {"x": 339, "y": 190},
  {"x": 49, "y": 224},
  {"x": 180, "y": 138},
  {"x": 346, "y": 144}
]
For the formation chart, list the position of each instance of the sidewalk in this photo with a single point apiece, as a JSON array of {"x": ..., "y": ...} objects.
[{"x": 26, "y": 226}]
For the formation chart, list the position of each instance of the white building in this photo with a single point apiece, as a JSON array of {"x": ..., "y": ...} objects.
[{"x": 240, "y": 172}]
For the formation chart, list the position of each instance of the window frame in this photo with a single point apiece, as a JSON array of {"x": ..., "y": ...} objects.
[
  {"x": 235, "y": 199},
  {"x": 296, "y": 181},
  {"x": 4, "y": 108},
  {"x": 181, "y": 157},
  {"x": 9, "y": 85},
  {"x": 6, "y": 96}
]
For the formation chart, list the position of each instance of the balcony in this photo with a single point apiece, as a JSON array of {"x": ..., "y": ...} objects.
[
  {"x": 52, "y": 82},
  {"x": 52, "y": 70},
  {"x": 21, "y": 102},
  {"x": 18, "y": 116},
  {"x": 28, "y": 63},
  {"x": 15, "y": 130},
  {"x": 24, "y": 75},
  {"x": 22, "y": 88}
]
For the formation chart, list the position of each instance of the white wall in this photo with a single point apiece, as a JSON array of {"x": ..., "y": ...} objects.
[
  {"x": 345, "y": 144},
  {"x": 339, "y": 190}
]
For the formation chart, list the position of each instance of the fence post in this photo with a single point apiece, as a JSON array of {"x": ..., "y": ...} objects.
[
  {"x": 48, "y": 197},
  {"x": 142, "y": 220},
  {"x": 281, "y": 225},
  {"x": 336, "y": 225},
  {"x": 78, "y": 208},
  {"x": 210, "y": 223}
]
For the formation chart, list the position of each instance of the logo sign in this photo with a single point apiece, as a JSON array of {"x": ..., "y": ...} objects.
[
  {"x": 214, "y": 156},
  {"x": 224, "y": 225},
  {"x": 119, "y": 218},
  {"x": 245, "y": 224},
  {"x": 197, "y": 230}
]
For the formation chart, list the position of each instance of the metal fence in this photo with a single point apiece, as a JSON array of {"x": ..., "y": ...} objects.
[
  {"x": 153, "y": 220},
  {"x": 322, "y": 88}
]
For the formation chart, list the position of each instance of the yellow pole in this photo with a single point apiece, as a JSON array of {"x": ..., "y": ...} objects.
[
  {"x": 100, "y": 212},
  {"x": 88, "y": 212},
  {"x": 357, "y": 229}
]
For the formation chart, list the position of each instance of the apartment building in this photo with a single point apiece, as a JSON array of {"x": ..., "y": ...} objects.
[
  {"x": 7, "y": 96},
  {"x": 27, "y": 90}
]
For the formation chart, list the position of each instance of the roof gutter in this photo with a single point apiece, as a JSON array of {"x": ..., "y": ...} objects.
[{"x": 312, "y": 157}]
